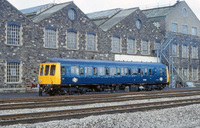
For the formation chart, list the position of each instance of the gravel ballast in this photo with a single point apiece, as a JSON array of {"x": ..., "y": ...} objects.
[{"x": 180, "y": 117}]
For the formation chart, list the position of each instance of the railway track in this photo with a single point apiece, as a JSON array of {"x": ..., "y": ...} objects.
[
  {"x": 84, "y": 101},
  {"x": 80, "y": 113},
  {"x": 87, "y": 96}
]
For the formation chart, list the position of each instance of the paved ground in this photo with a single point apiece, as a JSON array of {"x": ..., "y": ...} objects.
[{"x": 18, "y": 95}]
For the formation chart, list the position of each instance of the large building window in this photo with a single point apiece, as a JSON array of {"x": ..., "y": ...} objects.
[
  {"x": 14, "y": 33},
  {"x": 175, "y": 49},
  {"x": 91, "y": 41},
  {"x": 145, "y": 47},
  {"x": 13, "y": 71},
  {"x": 116, "y": 45},
  {"x": 50, "y": 37},
  {"x": 131, "y": 45},
  {"x": 195, "y": 74},
  {"x": 157, "y": 45},
  {"x": 174, "y": 27},
  {"x": 72, "y": 39},
  {"x": 185, "y": 73},
  {"x": 185, "y": 29},
  {"x": 185, "y": 51},
  {"x": 194, "y": 52},
  {"x": 194, "y": 31}
]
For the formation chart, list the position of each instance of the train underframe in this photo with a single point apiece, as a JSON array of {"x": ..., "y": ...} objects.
[{"x": 53, "y": 90}]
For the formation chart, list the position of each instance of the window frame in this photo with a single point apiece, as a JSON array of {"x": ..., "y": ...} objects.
[
  {"x": 50, "y": 37},
  {"x": 72, "y": 39},
  {"x": 116, "y": 44},
  {"x": 145, "y": 47},
  {"x": 11, "y": 28},
  {"x": 91, "y": 37},
  {"x": 131, "y": 48},
  {"x": 16, "y": 66}
]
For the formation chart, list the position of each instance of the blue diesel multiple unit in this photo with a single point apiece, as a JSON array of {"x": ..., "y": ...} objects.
[{"x": 58, "y": 76}]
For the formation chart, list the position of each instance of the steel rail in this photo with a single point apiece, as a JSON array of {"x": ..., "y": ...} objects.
[
  {"x": 86, "y": 96},
  {"x": 80, "y": 113},
  {"x": 91, "y": 101}
]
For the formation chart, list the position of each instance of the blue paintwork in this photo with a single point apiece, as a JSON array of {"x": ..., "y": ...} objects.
[{"x": 107, "y": 79}]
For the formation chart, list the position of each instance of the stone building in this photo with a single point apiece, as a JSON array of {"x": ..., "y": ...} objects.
[
  {"x": 132, "y": 35},
  {"x": 181, "y": 29},
  {"x": 64, "y": 31}
]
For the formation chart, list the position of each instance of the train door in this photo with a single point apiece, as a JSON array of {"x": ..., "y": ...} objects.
[
  {"x": 150, "y": 74},
  {"x": 63, "y": 75}
]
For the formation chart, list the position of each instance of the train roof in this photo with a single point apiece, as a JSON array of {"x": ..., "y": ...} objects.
[{"x": 99, "y": 62}]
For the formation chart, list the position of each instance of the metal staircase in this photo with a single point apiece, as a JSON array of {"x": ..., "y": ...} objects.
[{"x": 166, "y": 57}]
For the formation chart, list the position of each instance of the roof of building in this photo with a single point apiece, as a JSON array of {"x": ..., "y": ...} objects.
[
  {"x": 48, "y": 12},
  {"x": 159, "y": 12},
  {"x": 102, "y": 16},
  {"x": 36, "y": 9},
  {"x": 109, "y": 18}
]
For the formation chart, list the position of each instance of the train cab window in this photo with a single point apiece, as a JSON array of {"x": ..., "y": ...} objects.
[
  {"x": 145, "y": 71},
  {"x": 118, "y": 71},
  {"x": 88, "y": 71},
  {"x": 74, "y": 70},
  {"x": 53, "y": 69},
  {"x": 41, "y": 70},
  {"x": 46, "y": 70},
  {"x": 94, "y": 71},
  {"x": 113, "y": 71},
  {"x": 129, "y": 71},
  {"x": 63, "y": 70},
  {"x": 81, "y": 71},
  {"x": 149, "y": 71},
  {"x": 134, "y": 71},
  {"x": 107, "y": 71},
  {"x": 101, "y": 71}
]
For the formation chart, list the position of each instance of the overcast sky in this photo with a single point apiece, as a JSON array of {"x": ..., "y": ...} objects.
[{"x": 88, "y": 6}]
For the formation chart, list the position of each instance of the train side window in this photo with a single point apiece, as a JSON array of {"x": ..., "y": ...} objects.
[
  {"x": 122, "y": 71},
  {"x": 46, "y": 70},
  {"x": 160, "y": 71},
  {"x": 41, "y": 70},
  {"x": 63, "y": 70},
  {"x": 88, "y": 71},
  {"x": 145, "y": 71},
  {"x": 118, "y": 71},
  {"x": 107, "y": 71},
  {"x": 81, "y": 71},
  {"x": 164, "y": 71},
  {"x": 129, "y": 71},
  {"x": 134, "y": 71},
  {"x": 74, "y": 70},
  {"x": 94, "y": 71},
  {"x": 125, "y": 71},
  {"x": 139, "y": 71},
  {"x": 142, "y": 72},
  {"x": 53, "y": 69},
  {"x": 113, "y": 71},
  {"x": 149, "y": 71},
  {"x": 101, "y": 71}
]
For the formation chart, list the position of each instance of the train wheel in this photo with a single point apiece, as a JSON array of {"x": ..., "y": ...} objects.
[{"x": 40, "y": 92}]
